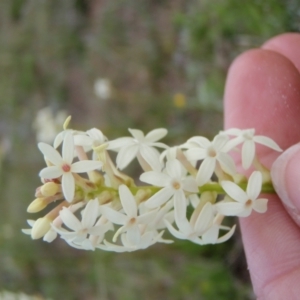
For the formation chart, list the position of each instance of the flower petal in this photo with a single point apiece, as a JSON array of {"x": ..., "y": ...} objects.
[
  {"x": 234, "y": 191},
  {"x": 211, "y": 235},
  {"x": 155, "y": 178},
  {"x": 156, "y": 134},
  {"x": 260, "y": 205},
  {"x": 254, "y": 185},
  {"x": 179, "y": 206},
  {"x": 58, "y": 139},
  {"x": 70, "y": 220},
  {"x": 126, "y": 155},
  {"x": 196, "y": 154},
  {"x": 50, "y": 236},
  {"x": 68, "y": 148},
  {"x": 68, "y": 186},
  {"x": 128, "y": 201},
  {"x": 90, "y": 213},
  {"x": 120, "y": 142},
  {"x": 206, "y": 170},
  {"x": 146, "y": 218},
  {"x": 133, "y": 236},
  {"x": 199, "y": 141},
  {"x": 189, "y": 184},
  {"x": 175, "y": 232},
  {"x": 174, "y": 168},
  {"x": 137, "y": 134},
  {"x": 229, "y": 208},
  {"x": 50, "y": 153},
  {"x": 248, "y": 153},
  {"x": 205, "y": 219},
  {"x": 151, "y": 156},
  {"x": 266, "y": 141},
  {"x": 227, "y": 163},
  {"x": 113, "y": 215},
  {"x": 51, "y": 172},
  {"x": 232, "y": 143},
  {"x": 226, "y": 236},
  {"x": 219, "y": 141},
  {"x": 160, "y": 197},
  {"x": 83, "y": 140},
  {"x": 233, "y": 131}
]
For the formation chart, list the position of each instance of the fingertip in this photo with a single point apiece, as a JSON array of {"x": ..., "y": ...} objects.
[
  {"x": 262, "y": 91},
  {"x": 287, "y": 44}
]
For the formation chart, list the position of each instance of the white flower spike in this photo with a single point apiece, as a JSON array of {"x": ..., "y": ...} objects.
[{"x": 189, "y": 189}]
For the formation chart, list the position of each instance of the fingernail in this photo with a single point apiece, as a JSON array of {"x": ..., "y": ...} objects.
[{"x": 285, "y": 173}]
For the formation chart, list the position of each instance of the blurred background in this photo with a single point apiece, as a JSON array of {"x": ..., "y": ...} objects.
[{"x": 116, "y": 64}]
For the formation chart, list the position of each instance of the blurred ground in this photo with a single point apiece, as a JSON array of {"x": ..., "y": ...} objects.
[{"x": 114, "y": 65}]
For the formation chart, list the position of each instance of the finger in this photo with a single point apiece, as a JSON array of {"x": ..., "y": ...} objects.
[
  {"x": 262, "y": 92},
  {"x": 287, "y": 44}
]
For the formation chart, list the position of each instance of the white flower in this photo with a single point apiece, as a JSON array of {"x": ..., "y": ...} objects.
[
  {"x": 129, "y": 147},
  {"x": 82, "y": 231},
  {"x": 62, "y": 165},
  {"x": 129, "y": 220},
  {"x": 211, "y": 236},
  {"x": 244, "y": 201},
  {"x": 174, "y": 183},
  {"x": 211, "y": 153},
  {"x": 248, "y": 138},
  {"x": 164, "y": 213},
  {"x": 198, "y": 225},
  {"x": 93, "y": 138}
]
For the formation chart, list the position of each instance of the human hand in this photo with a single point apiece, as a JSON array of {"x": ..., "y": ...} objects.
[{"x": 263, "y": 92}]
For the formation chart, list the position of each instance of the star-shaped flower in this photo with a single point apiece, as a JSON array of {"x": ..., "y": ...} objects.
[
  {"x": 130, "y": 147},
  {"x": 129, "y": 220},
  {"x": 211, "y": 236},
  {"x": 244, "y": 201},
  {"x": 248, "y": 138},
  {"x": 211, "y": 153},
  {"x": 63, "y": 166},
  {"x": 198, "y": 225},
  {"x": 82, "y": 230},
  {"x": 174, "y": 183}
]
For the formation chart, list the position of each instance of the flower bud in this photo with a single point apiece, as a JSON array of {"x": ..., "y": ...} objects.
[
  {"x": 37, "y": 205},
  {"x": 49, "y": 189},
  {"x": 96, "y": 177},
  {"x": 40, "y": 228}
]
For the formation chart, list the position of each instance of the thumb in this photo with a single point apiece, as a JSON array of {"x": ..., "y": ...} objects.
[{"x": 285, "y": 174}]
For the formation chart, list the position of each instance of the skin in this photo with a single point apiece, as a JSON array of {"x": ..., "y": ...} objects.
[{"x": 263, "y": 92}]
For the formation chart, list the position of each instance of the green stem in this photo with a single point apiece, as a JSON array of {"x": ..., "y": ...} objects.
[
  {"x": 216, "y": 187},
  {"x": 208, "y": 187}
]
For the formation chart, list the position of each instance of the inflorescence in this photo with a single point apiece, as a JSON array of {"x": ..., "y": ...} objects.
[{"x": 187, "y": 189}]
